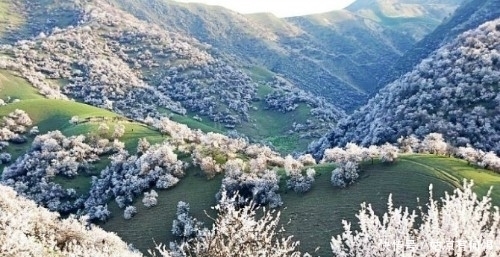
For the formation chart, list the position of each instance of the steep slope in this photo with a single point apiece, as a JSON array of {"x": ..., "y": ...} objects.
[
  {"x": 328, "y": 54},
  {"x": 414, "y": 17},
  {"x": 252, "y": 41},
  {"x": 469, "y": 15},
  {"x": 25, "y": 19},
  {"x": 348, "y": 47},
  {"x": 110, "y": 59},
  {"x": 455, "y": 91}
]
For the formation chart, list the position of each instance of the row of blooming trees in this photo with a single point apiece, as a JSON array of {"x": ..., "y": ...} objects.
[
  {"x": 459, "y": 224},
  {"x": 348, "y": 159},
  {"x": 248, "y": 168},
  {"x": 434, "y": 143}
]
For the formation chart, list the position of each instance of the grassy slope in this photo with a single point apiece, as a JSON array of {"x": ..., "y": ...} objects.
[
  {"x": 316, "y": 216},
  {"x": 313, "y": 218},
  {"x": 459, "y": 170},
  {"x": 272, "y": 126},
  {"x": 156, "y": 223},
  {"x": 9, "y": 16},
  {"x": 51, "y": 115},
  {"x": 16, "y": 87},
  {"x": 266, "y": 125}
]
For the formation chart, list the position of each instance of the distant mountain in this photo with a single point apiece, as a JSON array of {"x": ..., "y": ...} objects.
[
  {"x": 455, "y": 91},
  {"x": 346, "y": 52},
  {"x": 25, "y": 19},
  {"x": 206, "y": 65},
  {"x": 339, "y": 55},
  {"x": 103, "y": 56},
  {"x": 416, "y": 18},
  {"x": 468, "y": 16}
]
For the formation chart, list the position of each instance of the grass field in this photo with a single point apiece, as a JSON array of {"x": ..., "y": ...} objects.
[
  {"x": 156, "y": 223},
  {"x": 455, "y": 170},
  {"x": 49, "y": 115},
  {"x": 313, "y": 218},
  {"x": 16, "y": 87},
  {"x": 9, "y": 16},
  {"x": 273, "y": 126},
  {"x": 204, "y": 125}
]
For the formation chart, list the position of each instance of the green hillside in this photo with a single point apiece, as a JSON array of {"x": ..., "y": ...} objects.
[
  {"x": 16, "y": 87},
  {"x": 280, "y": 83},
  {"x": 417, "y": 18},
  {"x": 10, "y": 16},
  {"x": 155, "y": 224},
  {"x": 315, "y": 217},
  {"x": 50, "y": 114}
]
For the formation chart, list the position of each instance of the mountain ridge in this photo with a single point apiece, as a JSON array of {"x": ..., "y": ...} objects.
[
  {"x": 454, "y": 92},
  {"x": 280, "y": 46},
  {"x": 112, "y": 59},
  {"x": 469, "y": 15}
]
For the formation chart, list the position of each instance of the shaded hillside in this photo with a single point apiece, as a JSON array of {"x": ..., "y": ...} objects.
[
  {"x": 110, "y": 59},
  {"x": 328, "y": 54},
  {"x": 455, "y": 91},
  {"x": 250, "y": 41},
  {"x": 416, "y": 18},
  {"x": 469, "y": 15},
  {"x": 352, "y": 49}
]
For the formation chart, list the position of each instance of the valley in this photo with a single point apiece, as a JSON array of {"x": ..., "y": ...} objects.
[{"x": 162, "y": 128}]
